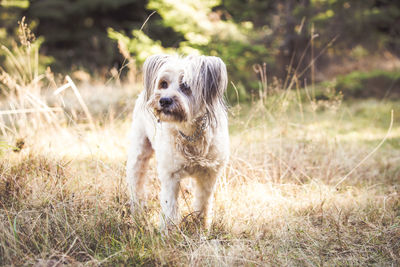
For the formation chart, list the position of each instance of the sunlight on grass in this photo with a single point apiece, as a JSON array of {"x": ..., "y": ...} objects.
[
  {"x": 276, "y": 203},
  {"x": 308, "y": 181}
]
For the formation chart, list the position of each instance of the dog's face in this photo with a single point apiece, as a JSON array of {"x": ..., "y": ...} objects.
[{"x": 182, "y": 89}]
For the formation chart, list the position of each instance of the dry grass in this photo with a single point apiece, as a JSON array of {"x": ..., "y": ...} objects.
[{"x": 63, "y": 196}]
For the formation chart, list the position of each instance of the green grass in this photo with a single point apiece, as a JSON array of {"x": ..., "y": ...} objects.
[{"x": 376, "y": 83}]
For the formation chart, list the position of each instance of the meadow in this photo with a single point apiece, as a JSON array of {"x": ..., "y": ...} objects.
[
  {"x": 314, "y": 106},
  {"x": 309, "y": 183}
]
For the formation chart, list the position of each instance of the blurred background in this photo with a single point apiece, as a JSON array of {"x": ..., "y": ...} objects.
[{"x": 351, "y": 46}]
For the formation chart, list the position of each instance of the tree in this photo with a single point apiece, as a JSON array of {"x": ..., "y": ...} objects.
[{"x": 76, "y": 31}]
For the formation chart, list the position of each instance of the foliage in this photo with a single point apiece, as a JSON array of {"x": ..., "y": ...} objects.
[
  {"x": 377, "y": 83},
  {"x": 205, "y": 32},
  {"x": 140, "y": 46},
  {"x": 295, "y": 38},
  {"x": 353, "y": 19},
  {"x": 369, "y": 23},
  {"x": 10, "y": 13},
  {"x": 22, "y": 68},
  {"x": 75, "y": 31}
]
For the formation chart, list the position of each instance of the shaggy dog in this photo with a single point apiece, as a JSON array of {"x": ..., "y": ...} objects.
[{"x": 181, "y": 117}]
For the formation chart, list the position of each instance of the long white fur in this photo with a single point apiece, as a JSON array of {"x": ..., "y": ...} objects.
[{"x": 153, "y": 130}]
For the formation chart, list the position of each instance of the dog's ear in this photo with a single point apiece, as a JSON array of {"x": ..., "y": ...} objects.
[
  {"x": 215, "y": 79},
  {"x": 209, "y": 77},
  {"x": 150, "y": 69}
]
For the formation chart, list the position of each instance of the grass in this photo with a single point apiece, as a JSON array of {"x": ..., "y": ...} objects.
[
  {"x": 293, "y": 193},
  {"x": 378, "y": 83},
  {"x": 63, "y": 196}
]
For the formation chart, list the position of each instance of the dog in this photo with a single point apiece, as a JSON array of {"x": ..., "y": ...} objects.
[{"x": 181, "y": 117}]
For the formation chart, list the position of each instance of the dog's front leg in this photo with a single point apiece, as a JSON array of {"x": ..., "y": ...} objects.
[
  {"x": 139, "y": 154},
  {"x": 204, "y": 197},
  {"x": 169, "y": 199}
]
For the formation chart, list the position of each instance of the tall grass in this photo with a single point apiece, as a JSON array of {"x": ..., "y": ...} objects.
[
  {"x": 63, "y": 197},
  {"x": 32, "y": 99},
  {"x": 22, "y": 83},
  {"x": 277, "y": 203}
]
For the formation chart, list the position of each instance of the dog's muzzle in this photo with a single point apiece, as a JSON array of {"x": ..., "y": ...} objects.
[{"x": 168, "y": 109}]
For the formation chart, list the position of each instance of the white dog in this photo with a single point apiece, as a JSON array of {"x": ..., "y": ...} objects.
[{"x": 182, "y": 117}]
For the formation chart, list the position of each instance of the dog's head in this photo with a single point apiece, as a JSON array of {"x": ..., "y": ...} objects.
[{"x": 182, "y": 89}]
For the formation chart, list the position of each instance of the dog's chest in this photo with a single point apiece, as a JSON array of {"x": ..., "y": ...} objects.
[
  {"x": 188, "y": 158},
  {"x": 196, "y": 156}
]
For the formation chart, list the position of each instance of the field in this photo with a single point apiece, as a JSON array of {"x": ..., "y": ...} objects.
[{"x": 307, "y": 184}]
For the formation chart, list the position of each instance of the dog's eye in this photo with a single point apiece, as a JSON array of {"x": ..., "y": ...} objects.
[
  {"x": 164, "y": 85},
  {"x": 185, "y": 88}
]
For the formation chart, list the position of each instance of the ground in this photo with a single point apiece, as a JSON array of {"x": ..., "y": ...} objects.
[{"x": 307, "y": 184}]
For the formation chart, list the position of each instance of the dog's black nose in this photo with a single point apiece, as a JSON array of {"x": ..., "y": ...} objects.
[{"x": 165, "y": 102}]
